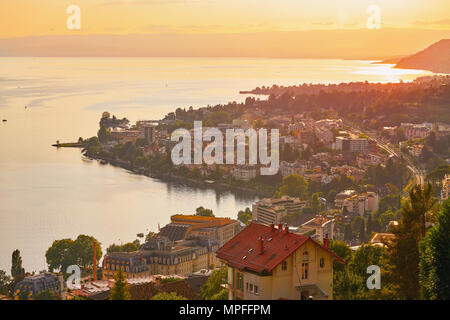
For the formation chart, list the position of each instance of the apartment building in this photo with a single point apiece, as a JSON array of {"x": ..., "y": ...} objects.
[
  {"x": 244, "y": 172},
  {"x": 184, "y": 227},
  {"x": 341, "y": 196},
  {"x": 352, "y": 145},
  {"x": 318, "y": 228},
  {"x": 160, "y": 256},
  {"x": 269, "y": 263},
  {"x": 414, "y": 131},
  {"x": 148, "y": 132},
  {"x": 270, "y": 211},
  {"x": 361, "y": 203},
  {"x": 186, "y": 245},
  {"x": 288, "y": 168}
]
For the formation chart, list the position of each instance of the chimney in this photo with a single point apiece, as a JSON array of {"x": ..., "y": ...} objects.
[
  {"x": 260, "y": 245},
  {"x": 272, "y": 226},
  {"x": 280, "y": 227},
  {"x": 325, "y": 241},
  {"x": 286, "y": 228}
]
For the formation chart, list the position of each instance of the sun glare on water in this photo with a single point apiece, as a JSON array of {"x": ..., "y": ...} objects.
[{"x": 390, "y": 74}]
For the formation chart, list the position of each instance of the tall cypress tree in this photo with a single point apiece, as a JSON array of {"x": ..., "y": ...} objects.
[
  {"x": 348, "y": 232},
  {"x": 120, "y": 290},
  {"x": 16, "y": 264},
  {"x": 435, "y": 258},
  {"x": 362, "y": 232},
  {"x": 403, "y": 250}
]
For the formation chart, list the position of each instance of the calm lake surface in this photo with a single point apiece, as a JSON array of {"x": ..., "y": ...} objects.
[{"x": 48, "y": 194}]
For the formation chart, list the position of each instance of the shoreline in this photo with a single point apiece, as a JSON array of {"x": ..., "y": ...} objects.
[{"x": 168, "y": 177}]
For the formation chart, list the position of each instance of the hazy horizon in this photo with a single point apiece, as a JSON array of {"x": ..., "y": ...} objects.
[
  {"x": 311, "y": 44},
  {"x": 346, "y": 29}
]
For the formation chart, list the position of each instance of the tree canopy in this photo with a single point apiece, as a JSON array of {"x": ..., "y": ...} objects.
[
  {"x": 120, "y": 290},
  {"x": 212, "y": 289},
  {"x": 435, "y": 258},
  {"x": 294, "y": 186},
  {"x": 168, "y": 296},
  {"x": 66, "y": 252}
]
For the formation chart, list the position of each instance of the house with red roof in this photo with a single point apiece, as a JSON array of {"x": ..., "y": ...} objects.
[{"x": 271, "y": 263}]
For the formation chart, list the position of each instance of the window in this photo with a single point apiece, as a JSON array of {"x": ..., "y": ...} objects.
[
  {"x": 284, "y": 265},
  {"x": 256, "y": 290},
  {"x": 305, "y": 267},
  {"x": 239, "y": 281},
  {"x": 322, "y": 262},
  {"x": 251, "y": 287},
  {"x": 305, "y": 256}
]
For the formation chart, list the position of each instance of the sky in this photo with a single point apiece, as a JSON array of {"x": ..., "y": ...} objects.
[
  {"x": 29, "y": 18},
  {"x": 48, "y": 17}
]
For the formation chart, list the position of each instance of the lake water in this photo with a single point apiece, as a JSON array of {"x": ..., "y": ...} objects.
[{"x": 48, "y": 194}]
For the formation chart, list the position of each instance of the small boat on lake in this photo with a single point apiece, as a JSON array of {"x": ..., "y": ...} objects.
[
  {"x": 140, "y": 235},
  {"x": 103, "y": 161},
  {"x": 4, "y": 120}
]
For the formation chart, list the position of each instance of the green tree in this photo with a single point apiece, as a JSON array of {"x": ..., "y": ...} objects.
[
  {"x": 103, "y": 134},
  {"x": 315, "y": 202},
  {"x": 435, "y": 258},
  {"x": 83, "y": 250},
  {"x": 200, "y": 211},
  {"x": 16, "y": 264},
  {"x": 127, "y": 247},
  {"x": 365, "y": 256},
  {"x": 348, "y": 285},
  {"x": 168, "y": 296},
  {"x": 348, "y": 232},
  {"x": 343, "y": 251},
  {"x": 362, "y": 232},
  {"x": 294, "y": 186},
  {"x": 120, "y": 290},
  {"x": 59, "y": 256},
  {"x": 5, "y": 280},
  {"x": 212, "y": 289},
  {"x": 150, "y": 235},
  {"x": 403, "y": 251},
  {"x": 245, "y": 216},
  {"x": 66, "y": 252}
]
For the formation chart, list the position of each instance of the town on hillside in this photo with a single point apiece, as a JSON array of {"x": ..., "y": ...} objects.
[{"x": 342, "y": 199}]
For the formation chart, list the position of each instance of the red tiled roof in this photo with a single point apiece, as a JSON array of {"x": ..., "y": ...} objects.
[{"x": 278, "y": 245}]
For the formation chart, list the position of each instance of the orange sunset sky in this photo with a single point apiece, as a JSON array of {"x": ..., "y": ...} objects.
[{"x": 218, "y": 25}]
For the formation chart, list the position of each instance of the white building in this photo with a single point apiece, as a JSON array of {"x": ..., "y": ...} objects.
[
  {"x": 361, "y": 203},
  {"x": 288, "y": 168},
  {"x": 270, "y": 211},
  {"x": 244, "y": 172}
]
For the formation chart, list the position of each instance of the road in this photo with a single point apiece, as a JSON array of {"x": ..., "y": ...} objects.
[{"x": 418, "y": 175}]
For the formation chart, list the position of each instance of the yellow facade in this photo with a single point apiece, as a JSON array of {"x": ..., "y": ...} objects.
[{"x": 310, "y": 265}]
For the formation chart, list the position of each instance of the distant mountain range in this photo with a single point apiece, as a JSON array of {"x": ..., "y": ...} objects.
[
  {"x": 435, "y": 58},
  {"x": 361, "y": 44}
]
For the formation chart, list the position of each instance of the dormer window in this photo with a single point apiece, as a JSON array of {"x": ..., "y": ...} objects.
[
  {"x": 322, "y": 262},
  {"x": 284, "y": 265},
  {"x": 250, "y": 250},
  {"x": 305, "y": 256}
]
